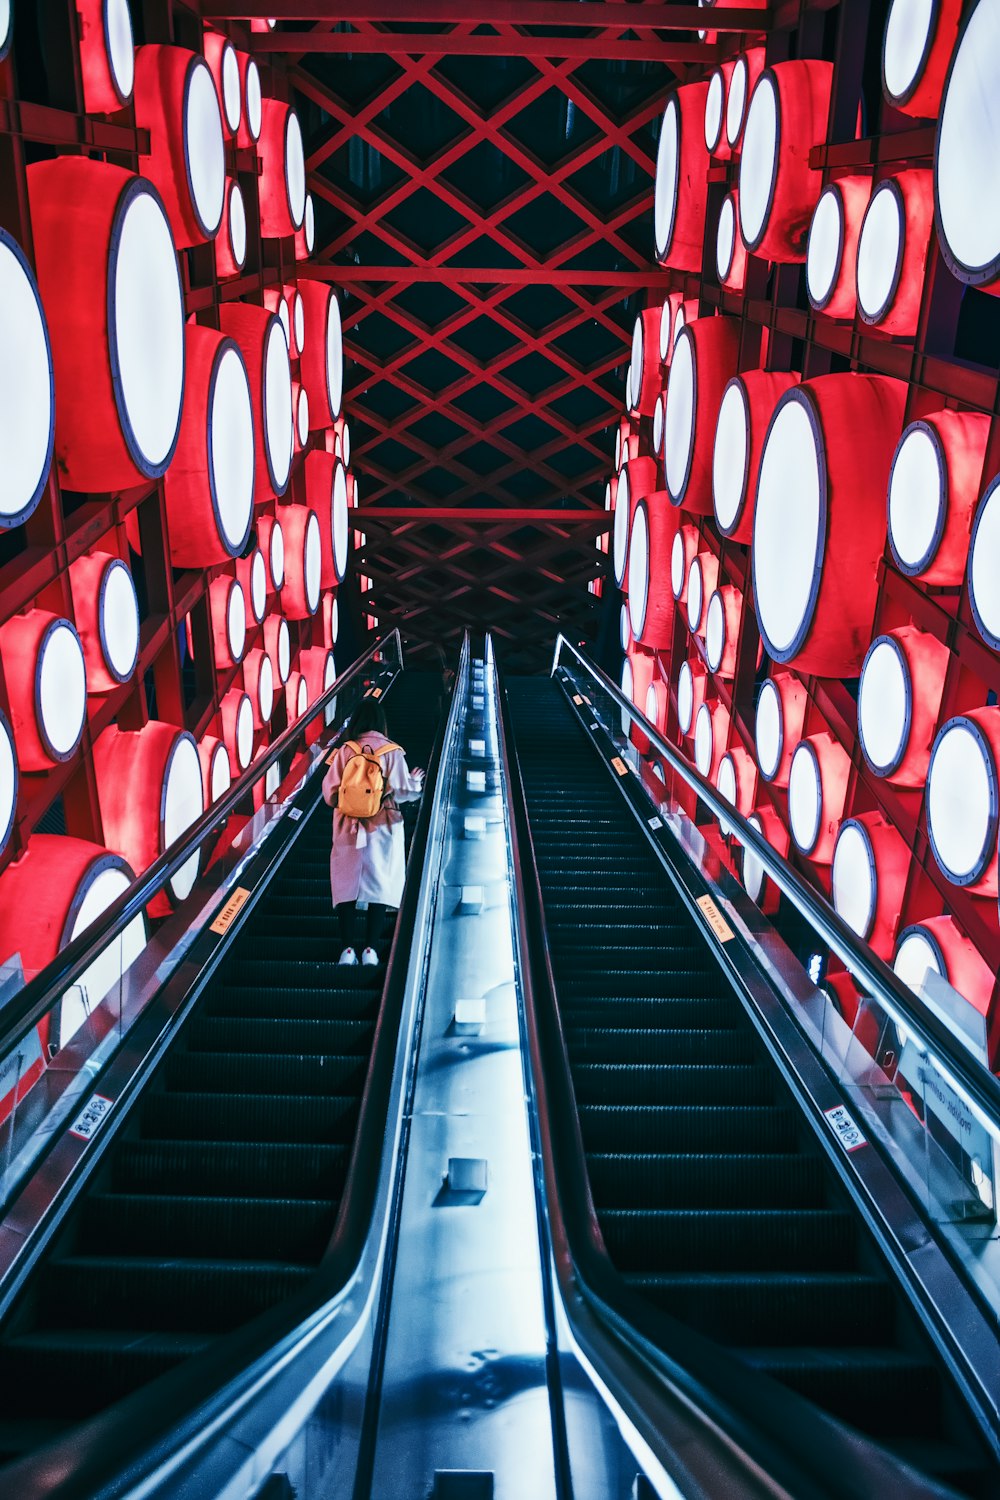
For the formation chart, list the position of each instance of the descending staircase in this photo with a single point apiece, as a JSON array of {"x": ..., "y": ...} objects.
[
  {"x": 222, "y": 1193},
  {"x": 712, "y": 1199}
]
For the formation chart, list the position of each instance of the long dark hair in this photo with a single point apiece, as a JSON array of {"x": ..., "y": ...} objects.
[{"x": 369, "y": 716}]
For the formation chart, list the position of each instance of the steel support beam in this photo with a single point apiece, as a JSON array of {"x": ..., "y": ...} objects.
[
  {"x": 629, "y": 281},
  {"x": 646, "y": 17},
  {"x": 522, "y": 515},
  {"x": 507, "y": 44}
]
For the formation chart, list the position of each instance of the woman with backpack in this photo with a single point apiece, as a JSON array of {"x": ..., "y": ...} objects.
[{"x": 367, "y": 779}]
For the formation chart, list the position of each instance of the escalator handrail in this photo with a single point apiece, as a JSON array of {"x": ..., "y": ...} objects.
[
  {"x": 767, "y": 1430},
  {"x": 970, "y": 1077},
  {"x": 125, "y": 1449},
  {"x": 24, "y": 1011}
]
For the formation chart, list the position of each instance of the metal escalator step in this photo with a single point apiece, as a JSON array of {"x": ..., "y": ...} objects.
[
  {"x": 247, "y": 1168},
  {"x": 654, "y": 1083},
  {"x": 638, "y": 984},
  {"x": 276, "y": 1228},
  {"x": 883, "y": 1391},
  {"x": 346, "y": 1003},
  {"x": 618, "y": 1044},
  {"x": 777, "y": 1239},
  {"x": 825, "y": 1307},
  {"x": 256, "y": 1073},
  {"x": 249, "y": 1117},
  {"x": 293, "y": 973},
  {"x": 654, "y": 1013},
  {"x": 203, "y": 1296},
  {"x": 73, "y": 1374},
  {"x": 277, "y": 1035},
  {"x": 654, "y": 960},
  {"x": 733, "y": 1180},
  {"x": 655, "y": 933},
  {"x": 682, "y": 1128}
]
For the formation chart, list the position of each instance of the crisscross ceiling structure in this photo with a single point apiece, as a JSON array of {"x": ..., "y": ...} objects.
[{"x": 483, "y": 190}]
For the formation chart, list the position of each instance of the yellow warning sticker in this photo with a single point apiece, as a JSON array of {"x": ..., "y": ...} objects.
[
  {"x": 619, "y": 765},
  {"x": 715, "y": 919},
  {"x": 224, "y": 920},
  {"x": 577, "y": 699},
  {"x": 376, "y": 692}
]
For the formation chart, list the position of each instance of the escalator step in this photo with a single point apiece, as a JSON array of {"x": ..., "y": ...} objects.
[
  {"x": 823, "y": 1308},
  {"x": 73, "y": 1374},
  {"x": 210, "y": 1296},
  {"x": 882, "y": 1391},
  {"x": 676, "y": 1046},
  {"x": 343, "y": 1003},
  {"x": 652, "y": 1083},
  {"x": 247, "y": 1117},
  {"x": 728, "y": 1239},
  {"x": 278, "y": 1035},
  {"x": 247, "y": 1168},
  {"x": 290, "y": 1229},
  {"x": 685, "y": 1012},
  {"x": 293, "y": 973},
  {"x": 699, "y": 1128},
  {"x": 250, "y": 1072},
  {"x": 638, "y": 985},
  {"x": 770, "y": 1180}
]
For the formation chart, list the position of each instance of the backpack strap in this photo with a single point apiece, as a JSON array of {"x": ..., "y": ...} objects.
[{"x": 382, "y": 750}]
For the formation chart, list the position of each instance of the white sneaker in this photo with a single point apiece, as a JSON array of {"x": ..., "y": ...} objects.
[
  {"x": 369, "y": 958},
  {"x": 348, "y": 957}
]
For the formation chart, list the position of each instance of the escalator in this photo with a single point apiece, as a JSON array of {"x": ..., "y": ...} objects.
[
  {"x": 714, "y": 1201},
  {"x": 220, "y": 1194}
]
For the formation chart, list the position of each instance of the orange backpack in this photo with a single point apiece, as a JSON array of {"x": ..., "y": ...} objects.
[{"x": 363, "y": 782}]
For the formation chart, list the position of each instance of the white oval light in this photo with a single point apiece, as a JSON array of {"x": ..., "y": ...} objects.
[
  {"x": 340, "y": 529},
  {"x": 880, "y": 251},
  {"x": 236, "y": 622},
  {"x": 230, "y": 449},
  {"x": 183, "y": 802},
  {"x": 754, "y": 873},
  {"x": 962, "y": 801},
  {"x": 715, "y": 632},
  {"x": 915, "y": 956},
  {"x": 220, "y": 776},
  {"x": 620, "y": 538},
  {"x": 685, "y": 697},
  {"x": 714, "y": 109},
  {"x": 204, "y": 147},
  {"x": 967, "y": 156},
  {"x": 313, "y": 562},
  {"x": 118, "y": 621},
  {"x": 678, "y": 422},
  {"x": 295, "y": 169},
  {"x": 8, "y": 781},
  {"x": 788, "y": 529},
  {"x": 237, "y": 225},
  {"x": 60, "y": 690},
  {"x": 905, "y": 44},
  {"x": 335, "y": 357},
  {"x": 677, "y": 565},
  {"x": 695, "y": 595},
  {"x": 757, "y": 160},
  {"x": 916, "y": 499},
  {"x": 805, "y": 797},
  {"x": 638, "y": 572},
  {"x": 725, "y": 238},
  {"x": 277, "y": 406},
  {"x": 703, "y": 740},
  {"x": 667, "y": 171},
  {"x": 825, "y": 247},
  {"x": 984, "y": 550},
  {"x": 232, "y": 102},
  {"x": 737, "y": 102},
  {"x": 884, "y": 705},
  {"x": 253, "y": 99},
  {"x": 119, "y": 45},
  {"x": 258, "y": 585},
  {"x": 854, "y": 882},
  {"x": 27, "y": 403},
  {"x": 108, "y": 878},
  {"x": 730, "y": 457},
  {"x": 244, "y": 732},
  {"x": 284, "y": 651},
  {"x": 769, "y": 730}
]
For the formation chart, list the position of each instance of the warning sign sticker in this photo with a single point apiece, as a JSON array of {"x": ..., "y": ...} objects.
[
  {"x": 715, "y": 919},
  {"x": 86, "y": 1124},
  {"x": 238, "y": 898}
]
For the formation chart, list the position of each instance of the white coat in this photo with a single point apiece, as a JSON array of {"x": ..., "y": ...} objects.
[{"x": 368, "y": 858}]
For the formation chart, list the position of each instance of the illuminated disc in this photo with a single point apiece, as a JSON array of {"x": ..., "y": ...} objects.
[
  {"x": 345, "y": 446},
  {"x": 60, "y": 690},
  {"x": 258, "y": 585},
  {"x": 880, "y": 251},
  {"x": 118, "y": 622},
  {"x": 204, "y": 147},
  {"x": 334, "y": 356},
  {"x": 715, "y": 103},
  {"x": 918, "y": 498},
  {"x": 737, "y": 102},
  {"x": 884, "y": 705},
  {"x": 237, "y": 225},
  {"x": 905, "y": 45},
  {"x": 685, "y": 697},
  {"x": 758, "y": 161},
  {"x": 310, "y": 224},
  {"x": 232, "y": 100},
  {"x": 658, "y": 412},
  {"x": 244, "y": 732},
  {"x": 805, "y": 797},
  {"x": 695, "y": 594},
  {"x": 635, "y": 369},
  {"x": 624, "y": 628},
  {"x": 220, "y": 776},
  {"x": 312, "y": 561},
  {"x": 638, "y": 571},
  {"x": 340, "y": 529},
  {"x": 182, "y": 803},
  {"x": 628, "y": 690},
  {"x": 715, "y": 632},
  {"x": 284, "y": 651},
  {"x": 230, "y": 448},
  {"x": 265, "y": 688},
  {"x": 754, "y": 874},
  {"x": 620, "y": 538},
  {"x": 667, "y": 175},
  {"x": 299, "y": 321},
  {"x": 277, "y": 406},
  {"x": 295, "y": 169},
  {"x": 8, "y": 780},
  {"x": 825, "y": 246},
  {"x": 962, "y": 801},
  {"x": 302, "y": 416},
  {"x": 106, "y": 879},
  {"x": 731, "y": 457},
  {"x": 678, "y": 422},
  {"x": 677, "y": 565},
  {"x": 725, "y": 238},
  {"x": 27, "y": 391},
  {"x": 146, "y": 327},
  {"x": 769, "y": 730},
  {"x": 789, "y": 528},
  {"x": 704, "y": 740},
  {"x": 854, "y": 880},
  {"x": 253, "y": 99},
  {"x": 664, "y": 331},
  {"x": 967, "y": 153},
  {"x": 118, "y": 44},
  {"x": 236, "y": 621},
  {"x": 916, "y": 955},
  {"x": 984, "y": 549}
]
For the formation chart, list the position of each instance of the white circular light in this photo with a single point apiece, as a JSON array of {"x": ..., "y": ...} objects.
[
  {"x": 310, "y": 224},
  {"x": 334, "y": 356},
  {"x": 968, "y": 146},
  {"x": 183, "y": 802},
  {"x": 329, "y": 678},
  {"x": 265, "y": 688},
  {"x": 253, "y": 99},
  {"x": 638, "y": 572},
  {"x": 285, "y": 319},
  {"x": 118, "y": 620},
  {"x": 916, "y": 499},
  {"x": 236, "y": 622},
  {"x": 725, "y": 238},
  {"x": 754, "y": 874},
  {"x": 629, "y": 403},
  {"x": 737, "y": 102},
  {"x": 758, "y": 159},
  {"x": 624, "y": 628},
  {"x": 685, "y": 697},
  {"x": 855, "y": 889},
  {"x": 635, "y": 367},
  {"x": 276, "y": 551},
  {"x": 788, "y": 529},
  {"x": 725, "y": 782},
  {"x": 627, "y": 687},
  {"x": 284, "y": 651},
  {"x": 334, "y": 620},
  {"x": 277, "y": 406},
  {"x": 340, "y": 529},
  {"x": 110, "y": 879},
  {"x": 884, "y": 705},
  {"x": 237, "y": 225},
  {"x": 620, "y": 539},
  {"x": 230, "y": 448},
  {"x": 313, "y": 561},
  {"x": 302, "y": 416},
  {"x": 984, "y": 583},
  {"x": 769, "y": 730},
  {"x": 680, "y": 322},
  {"x": 695, "y": 594},
  {"x": 703, "y": 740},
  {"x": 204, "y": 147},
  {"x": 258, "y": 585},
  {"x": 8, "y": 781},
  {"x": 714, "y": 109},
  {"x": 805, "y": 797},
  {"x": 905, "y": 44},
  {"x": 232, "y": 101},
  {"x": 147, "y": 327},
  {"x": 677, "y": 565},
  {"x": 962, "y": 801},
  {"x": 301, "y": 698},
  {"x": 825, "y": 246},
  {"x": 715, "y": 632},
  {"x": 665, "y": 344},
  {"x": 118, "y": 43},
  {"x": 667, "y": 174},
  {"x": 880, "y": 250},
  {"x": 60, "y": 690},
  {"x": 27, "y": 393},
  {"x": 244, "y": 732},
  {"x": 345, "y": 446},
  {"x": 678, "y": 421},
  {"x": 220, "y": 777},
  {"x": 299, "y": 320},
  {"x": 730, "y": 457},
  {"x": 915, "y": 956},
  {"x": 294, "y": 170},
  {"x": 658, "y": 410}
]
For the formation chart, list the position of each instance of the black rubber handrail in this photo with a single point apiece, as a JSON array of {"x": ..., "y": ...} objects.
[
  {"x": 768, "y": 1431},
  {"x": 40, "y": 993},
  {"x": 126, "y": 1447},
  {"x": 973, "y": 1078}
]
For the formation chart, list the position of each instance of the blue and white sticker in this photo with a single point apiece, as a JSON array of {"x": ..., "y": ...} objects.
[
  {"x": 845, "y": 1128},
  {"x": 91, "y": 1117}
]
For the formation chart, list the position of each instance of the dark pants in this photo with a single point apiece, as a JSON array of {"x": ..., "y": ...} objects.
[{"x": 360, "y": 929}]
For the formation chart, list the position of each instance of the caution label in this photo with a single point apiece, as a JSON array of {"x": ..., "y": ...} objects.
[
  {"x": 845, "y": 1128},
  {"x": 715, "y": 919},
  {"x": 619, "y": 765},
  {"x": 577, "y": 699},
  {"x": 84, "y": 1127},
  {"x": 227, "y": 915}
]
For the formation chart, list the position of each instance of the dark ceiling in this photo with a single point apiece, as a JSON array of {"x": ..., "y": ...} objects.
[{"x": 481, "y": 409}]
